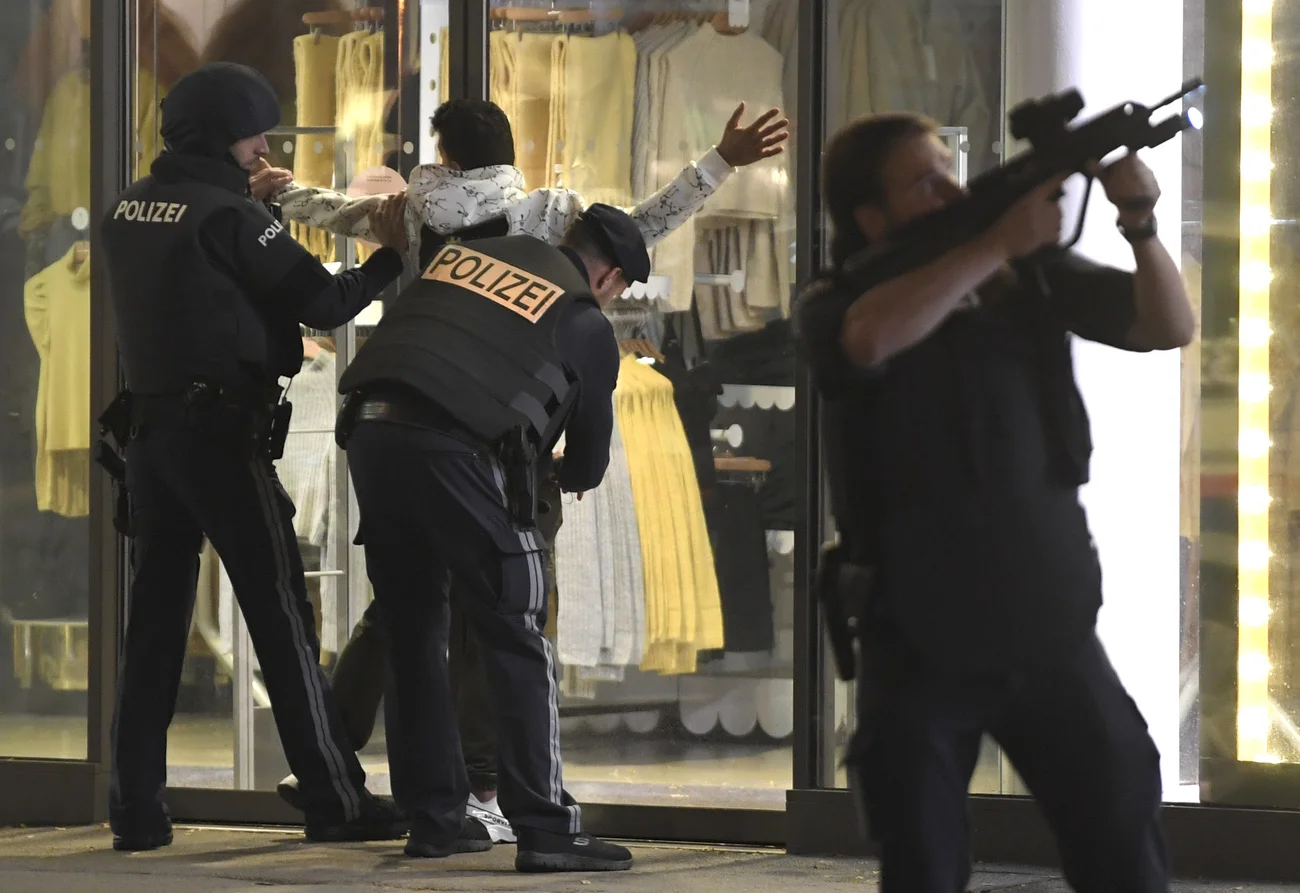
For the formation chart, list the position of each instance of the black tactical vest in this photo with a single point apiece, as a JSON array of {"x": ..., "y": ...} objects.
[
  {"x": 181, "y": 319},
  {"x": 475, "y": 333}
]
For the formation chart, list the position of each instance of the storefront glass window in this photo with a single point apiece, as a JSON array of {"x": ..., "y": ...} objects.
[
  {"x": 45, "y": 468},
  {"x": 674, "y": 596}
]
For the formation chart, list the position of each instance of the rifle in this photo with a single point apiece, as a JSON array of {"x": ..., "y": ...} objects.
[{"x": 1055, "y": 148}]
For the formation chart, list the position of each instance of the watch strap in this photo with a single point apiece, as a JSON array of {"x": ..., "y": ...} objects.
[{"x": 1136, "y": 234}]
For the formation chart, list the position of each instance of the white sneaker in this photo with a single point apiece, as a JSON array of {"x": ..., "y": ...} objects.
[{"x": 490, "y": 814}]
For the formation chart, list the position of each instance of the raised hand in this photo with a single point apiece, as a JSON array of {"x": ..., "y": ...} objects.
[{"x": 741, "y": 146}]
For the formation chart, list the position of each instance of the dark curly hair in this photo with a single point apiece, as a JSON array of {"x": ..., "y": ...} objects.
[{"x": 474, "y": 133}]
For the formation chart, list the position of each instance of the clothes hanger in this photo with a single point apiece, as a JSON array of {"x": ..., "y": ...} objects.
[
  {"x": 368, "y": 18},
  {"x": 642, "y": 348},
  {"x": 80, "y": 254},
  {"x": 317, "y": 21}
]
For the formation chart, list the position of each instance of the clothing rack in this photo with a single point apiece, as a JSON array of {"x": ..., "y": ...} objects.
[
  {"x": 642, "y": 348},
  {"x": 720, "y": 21},
  {"x": 363, "y": 18},
  {"x": 535, "y": 14},
  {"x": 735, "y": 280}
]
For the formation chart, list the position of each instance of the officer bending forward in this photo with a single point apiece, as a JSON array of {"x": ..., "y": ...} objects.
[
  {"x": 209, "y": 290},
  {"x": 473, "y": 372}
]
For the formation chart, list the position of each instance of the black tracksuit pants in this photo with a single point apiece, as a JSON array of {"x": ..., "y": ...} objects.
[
  {"x": 359, "y": 675},
  {"x": 187, "y": 483},
  {"x": 432, "y": 508}
]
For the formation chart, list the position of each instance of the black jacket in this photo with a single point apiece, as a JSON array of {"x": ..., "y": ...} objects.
[{"x": 206, "y": 283}]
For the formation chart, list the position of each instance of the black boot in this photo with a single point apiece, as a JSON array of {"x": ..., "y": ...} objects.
[
  {"x": 379, "y": 820},
  {"x": 473, "y": 838},
  {"x": 547, "y": 851},
  {"x": 140, "y": 836}
]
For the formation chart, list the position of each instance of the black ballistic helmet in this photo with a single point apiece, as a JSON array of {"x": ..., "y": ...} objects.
[{"x": 215, "y": 106}]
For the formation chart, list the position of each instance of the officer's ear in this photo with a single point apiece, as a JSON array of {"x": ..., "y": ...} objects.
[{"x": 614, "y": 278}]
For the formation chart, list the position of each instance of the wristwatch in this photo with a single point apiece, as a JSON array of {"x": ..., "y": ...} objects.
[{"x": 1136, "y": 234}]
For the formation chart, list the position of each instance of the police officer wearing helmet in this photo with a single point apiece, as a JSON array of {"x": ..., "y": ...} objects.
[
  {"x": 497, "y": 347},
  {"x": 209, "y": 290}
]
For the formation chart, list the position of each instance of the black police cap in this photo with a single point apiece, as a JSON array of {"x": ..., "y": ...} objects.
[
  {"x": 622, "y": 238},
  {"x": 216, "y": 105}
]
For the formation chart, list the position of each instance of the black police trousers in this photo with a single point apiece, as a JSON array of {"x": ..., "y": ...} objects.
[
  {"x": 1072, "y": 733},
  {"x": 432, "y": 508},
  {"x": 360, "y": 673},
  {"x": 186, "y": 483}
]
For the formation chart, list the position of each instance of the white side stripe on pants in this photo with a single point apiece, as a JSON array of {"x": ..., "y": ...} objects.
[
  {"x": 311, "y": 676},
  {"x": 536, "y": 604}
]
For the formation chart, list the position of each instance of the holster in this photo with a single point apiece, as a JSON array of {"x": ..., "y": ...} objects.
[
  {"x": 256, "y": 425},
  {"x": 115, "y": 422},
  {"x": 346, "y": 422},
  {"x": 844, "y": 589},
  {"x": 519, "y": 460},
  {"x": 278, "y": 429}
]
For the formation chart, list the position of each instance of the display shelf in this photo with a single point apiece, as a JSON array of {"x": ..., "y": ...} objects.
[{"x": 748, "y": 396}]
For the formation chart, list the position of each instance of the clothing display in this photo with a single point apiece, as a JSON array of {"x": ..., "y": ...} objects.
[
  {"x": 57, "y": 305},
  {"x": 764, "y": 357},
  {"x": 359, "y": 85},
  {"x": 58, "y": 180},
  {"x": 359, "y": 82},
  {"x": 600, "y": 624},
  {"x": 683, "y": 607},
  {"x": 316, "y": 61},
  {"x": 740, "y": 555},
  {"x": 693, "y": 85},
  {"x": 520, "y": 83},
  {"x": 914, "y": 56},
  {"x": 599, "y": 80}
]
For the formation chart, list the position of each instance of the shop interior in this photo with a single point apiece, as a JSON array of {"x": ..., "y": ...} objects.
[{"x": 675, "y": 579}]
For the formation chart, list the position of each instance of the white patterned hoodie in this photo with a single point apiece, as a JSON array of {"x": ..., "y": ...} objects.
[{"x": 447, "y": 199}]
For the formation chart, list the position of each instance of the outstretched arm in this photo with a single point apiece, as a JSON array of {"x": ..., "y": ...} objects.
[
  {"x": 327, "y": 209},
  {"x": 673, "y": 205}
]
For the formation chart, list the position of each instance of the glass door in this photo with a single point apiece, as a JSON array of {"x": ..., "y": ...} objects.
[{"x": 357, "y": 86}]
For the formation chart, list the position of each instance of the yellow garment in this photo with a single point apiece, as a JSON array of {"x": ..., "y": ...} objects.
[
  {"x": 56, "y": 302},
  {"x": 531, "y": 115},
  {"x": 501, "y": 67},
  {"x": 683, "y": 606},
  {"x": 58, "y": 180},
  {"x": 599, "y": 87},
  {"x": 557, "y": 141},
  {"x": 315, "y": 58},
  {"x": 444, "y": 81},
  {"x": 359, "y": 85}
]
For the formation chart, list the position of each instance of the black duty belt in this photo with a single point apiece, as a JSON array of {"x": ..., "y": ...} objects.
[{"x": 399, "y": 408}]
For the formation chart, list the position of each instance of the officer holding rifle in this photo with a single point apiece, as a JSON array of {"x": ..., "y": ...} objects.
[{"x": 957, "y": 441}]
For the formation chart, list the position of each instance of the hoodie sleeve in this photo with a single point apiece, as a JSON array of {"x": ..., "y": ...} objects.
[
  {"x": 334, "y": 212},
  {"x": 673, "y": 205}
]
